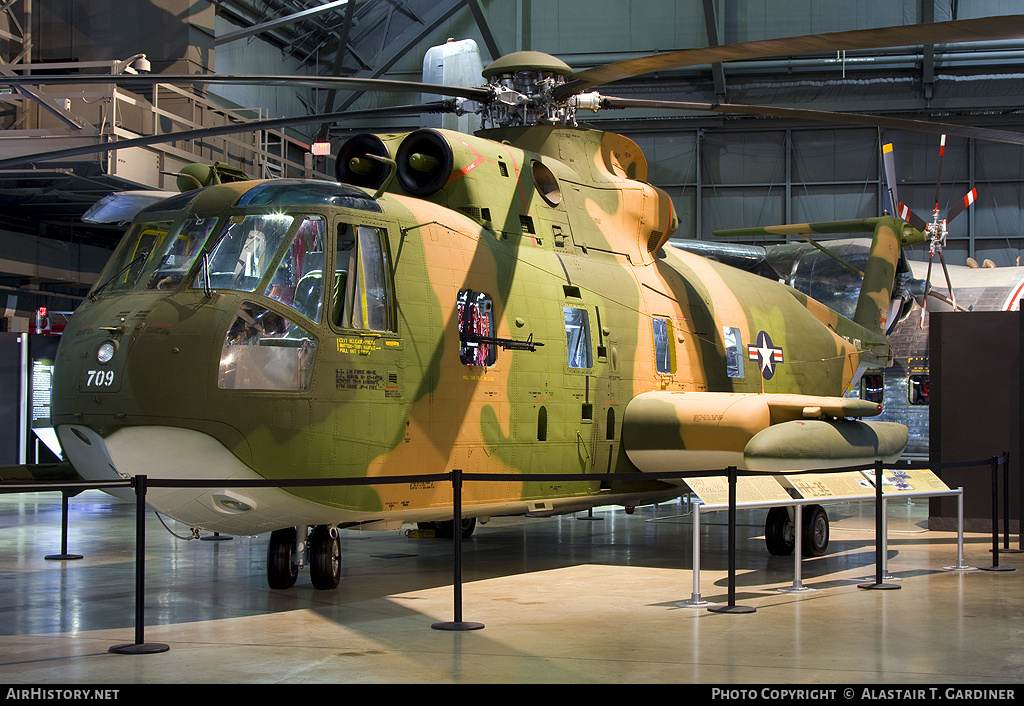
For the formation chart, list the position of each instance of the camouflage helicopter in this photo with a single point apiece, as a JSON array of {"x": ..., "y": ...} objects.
[{"x": 499, "y": 302}]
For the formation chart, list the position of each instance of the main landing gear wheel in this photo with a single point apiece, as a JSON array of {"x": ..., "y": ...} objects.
[
  {"x": 780, "y": 532},
  {"x": 446, "y": 528},
  {"x": 324, "y": 558},
  {"x": 282, "y": 567},
  {"x": 815, "y": 539}
]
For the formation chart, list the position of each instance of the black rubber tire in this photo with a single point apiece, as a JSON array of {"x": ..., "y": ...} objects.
[
  {"x": 282, "y": 570},
  {"x": 324, "y": 558},
  {"x": 815, "y": 531},
  {"x": 446, "y": 528},
  {"x": 778, "y": 532}
]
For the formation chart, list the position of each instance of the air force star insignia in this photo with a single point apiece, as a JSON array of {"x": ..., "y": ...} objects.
[{"x": 766, "y": 354}]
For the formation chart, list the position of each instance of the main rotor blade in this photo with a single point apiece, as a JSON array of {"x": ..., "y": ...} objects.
[
  {"x": 974, "y": 30},
  {"x": 201, "y": 133},
  {"x": 333, "y": 82},
  {"x": 821, "y": 115}
]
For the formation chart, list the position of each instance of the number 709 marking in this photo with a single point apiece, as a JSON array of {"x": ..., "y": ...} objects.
[{"x": 99, "y": 378}]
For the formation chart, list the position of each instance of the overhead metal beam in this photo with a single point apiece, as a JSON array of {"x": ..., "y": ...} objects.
[
  {"x": 279, "y": 22},
  {"x": 484, "y": 25},
  {"x": 711, "y": 25},
  {"x": 438, "y": 14},
  {"x": 339, "y": 58}
]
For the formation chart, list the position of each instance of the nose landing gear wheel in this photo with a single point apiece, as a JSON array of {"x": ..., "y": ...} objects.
[
  {"x": 282, "y": 569},
  {"x": 324, "y": 558}
]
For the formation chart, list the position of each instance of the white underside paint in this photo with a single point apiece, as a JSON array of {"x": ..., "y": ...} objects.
[{"x": 173, "y": 453}]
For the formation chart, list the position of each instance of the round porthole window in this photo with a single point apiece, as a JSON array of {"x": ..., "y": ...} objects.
[{"x": 547, "y": 185}]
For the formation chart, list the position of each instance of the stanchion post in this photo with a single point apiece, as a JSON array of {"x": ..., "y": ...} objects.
[
  {"x": 732, "y": 607},
  {"x": 995, "y": 520},
  {"x": 1006, "y": 505},
  {"x": 695, "y": 600},
  {"x": 63, "y": 556},
  {"x": 879, "y": 534},
  {"x": 140, "y": 646},
  {"x": 960, "y": 566},
  {"x": 457, "y": 624},
  {"x": 798, "y": 554}
]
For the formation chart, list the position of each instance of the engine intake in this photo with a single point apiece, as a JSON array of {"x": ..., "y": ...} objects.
[
  {"x": 355, "y": 164},
  {"x": 425, "y": 162}
]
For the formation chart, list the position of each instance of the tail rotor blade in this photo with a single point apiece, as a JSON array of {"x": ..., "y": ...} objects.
[
  {"x": 928, "y": 284},
  {"x": 903, "y": 211},
  {"x": 962, "y": 204},
  {"x": 890, "y": 175},
  {"x": 949, "y": 283},
  {"x": 938, "y": 176}
]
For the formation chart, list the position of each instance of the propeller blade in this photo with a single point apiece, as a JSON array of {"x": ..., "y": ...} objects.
[
  {"x": 962, "y": 204},
  {"x": 200, "y": 133},
  {"x": 938, "y": 176},
  {"x": 928, "y": 283},
  {"x": 331, "y": 82},
  {"x": 972, "y": 30},
  {"x": 888, "y": 161},
  {"x": 612, "y": 102},
  {"x": 943, "y": 298},
  {"x": 949, "y": 283},
  {"x": 904, "y": 212}
]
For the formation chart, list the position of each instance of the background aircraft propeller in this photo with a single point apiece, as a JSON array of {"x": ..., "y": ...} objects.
[{"x": 937, "y": 230}]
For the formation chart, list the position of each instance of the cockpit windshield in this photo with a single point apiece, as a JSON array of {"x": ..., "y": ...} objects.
[{"x": 244, "y": 251}]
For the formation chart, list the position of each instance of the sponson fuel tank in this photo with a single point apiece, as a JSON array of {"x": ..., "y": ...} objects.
[{"x": 692, "y": 431}]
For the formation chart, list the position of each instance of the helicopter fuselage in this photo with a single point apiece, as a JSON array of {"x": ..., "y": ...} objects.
[{"x": 502, "y": 320}]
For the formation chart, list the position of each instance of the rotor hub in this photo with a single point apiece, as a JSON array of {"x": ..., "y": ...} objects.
[{"x": 523, "y": 85}]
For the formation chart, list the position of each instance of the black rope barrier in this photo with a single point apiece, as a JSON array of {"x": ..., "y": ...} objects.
[{"x": 457, "y": 477}]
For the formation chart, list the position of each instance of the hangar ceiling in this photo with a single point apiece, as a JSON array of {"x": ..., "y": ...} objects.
[{"x": 717, "y": 167}]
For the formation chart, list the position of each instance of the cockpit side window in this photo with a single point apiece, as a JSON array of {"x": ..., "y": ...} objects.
[
  {"x": 298, "y": 280},
  {"x": 362, "y": 296}
]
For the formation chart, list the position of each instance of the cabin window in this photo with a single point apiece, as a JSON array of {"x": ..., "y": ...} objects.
[
  {"x": 918, "y": 388},
  {"x": 733, "y": 341},
  {"x": 244, "y": 251},
  {"x": 872, "y": 387},
  {"x": 265, "y": 351},
  {"x": 577, "y": 334},
  {"x": 175, "y": 255},
  {"x": 362, "y": 286},
  {"x": 664, "y": 353},
  {"x": 298, "y": 280},
  {"x": 476, "y": 321}
]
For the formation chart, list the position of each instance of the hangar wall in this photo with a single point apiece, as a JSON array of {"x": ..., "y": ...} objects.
[{"x": 722, "y": 172}]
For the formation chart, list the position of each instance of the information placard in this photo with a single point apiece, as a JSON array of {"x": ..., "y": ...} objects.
[{"x": 714, "y": 490}]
